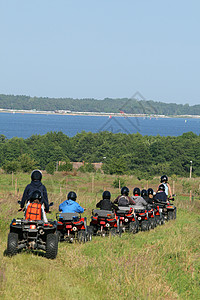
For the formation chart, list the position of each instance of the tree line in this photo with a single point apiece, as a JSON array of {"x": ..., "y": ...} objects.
[
  {"x": 106, "y": 105},
  {"x": 143, "y": 156}
]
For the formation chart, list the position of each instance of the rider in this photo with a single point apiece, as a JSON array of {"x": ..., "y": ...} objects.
[
  {"x": 36, "y": 198},
  {"x": 70, "y": 205},
  {"x": 164, "y": 181},
  {"x": 161, "y": 195},
  {"x": 150, "y": 197},
  {"x": 124, "y": 199},
  {"x": 105, "y": 203},
  {"x": 36, "y": 184},
  {"x": 137, "y": 198},
  {"x": 144, "y": 194}
]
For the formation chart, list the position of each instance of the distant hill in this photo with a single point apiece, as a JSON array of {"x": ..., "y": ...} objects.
[{"x": 107, "y": 105}]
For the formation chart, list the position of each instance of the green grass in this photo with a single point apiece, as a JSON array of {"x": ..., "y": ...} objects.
[{"x": 163, "y": 263}]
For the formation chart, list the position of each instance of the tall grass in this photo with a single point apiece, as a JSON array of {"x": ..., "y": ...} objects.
[{"x": 163, "y": 263}]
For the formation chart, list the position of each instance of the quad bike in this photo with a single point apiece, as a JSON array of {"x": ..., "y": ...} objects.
[
  {"x": 168, "y": 209},
  {"x": 127, "y": 219},
  {"x": 72, "y": 227},
  {"x": 33, "y": 233},
  {"x": 104, "y": 222},
  {"x": 141, "y": 214},
  {"x": 152, "y": 217}
]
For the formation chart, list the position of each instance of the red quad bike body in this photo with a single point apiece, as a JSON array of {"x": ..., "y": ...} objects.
[
  {"x": 168, "y": 209},
  {"x": 104, "y": 222},
  {"x": 158, "y": 214},
  {"x": 141, "y": 214},
  {"x": 33, "y": 233},
  {"x": 72, "y": 227},
  {"x": 127, "y": 219}
]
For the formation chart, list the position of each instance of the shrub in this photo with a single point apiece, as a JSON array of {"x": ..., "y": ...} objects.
[
  {"x": 50, "y": 167},
  {"x": 66, "y": 166},
  {"x": 115, "y": 183}
]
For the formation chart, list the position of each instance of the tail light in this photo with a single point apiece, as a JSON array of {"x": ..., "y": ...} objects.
[{"x": 32, "y": 226}]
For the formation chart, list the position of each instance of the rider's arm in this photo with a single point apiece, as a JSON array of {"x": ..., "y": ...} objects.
[
  {"x": 24, "y": 197},
  {"x": 99, "y": 204},
  {"x": 131, "y": 202},
  {"x": 170, "y": 191},
  {"x": 45, "y": 199},
  {"x": 79, "y": 209},
  {"x": 116, "y": 200}
]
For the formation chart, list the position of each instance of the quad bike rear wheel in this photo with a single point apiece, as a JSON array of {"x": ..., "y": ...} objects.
[
  {"x": 12, "y": 244},
  {"x": 51, "y": 246},
  {"x": 144, "y": 225},
  {"x": 82, "y": 238},
  {"x": 89, "y": 234},
  {"x": 170, "y": 215},
  {"x": 134, "y": 227}
]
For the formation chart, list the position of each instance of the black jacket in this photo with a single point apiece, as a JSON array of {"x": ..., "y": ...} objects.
[
  {"x": 30, "y": 188},
  {"x": 161, "y": 196},
  {"x": 106, "y": 204}
]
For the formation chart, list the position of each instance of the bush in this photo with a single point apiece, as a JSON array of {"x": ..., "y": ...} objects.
[
  {"x": 115, "y": 183},
  {"x": 88, "y": 167},
  {"x": 11, "y": 166},
  {"x": 50, "y": 167},
  {"x": 66, "y": 166}
]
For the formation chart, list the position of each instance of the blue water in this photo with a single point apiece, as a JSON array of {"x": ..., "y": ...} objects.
[{"x": 25, "y": 125}]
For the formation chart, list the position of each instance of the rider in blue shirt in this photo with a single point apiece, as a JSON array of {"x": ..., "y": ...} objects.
[{"x": 70, "y": 205}]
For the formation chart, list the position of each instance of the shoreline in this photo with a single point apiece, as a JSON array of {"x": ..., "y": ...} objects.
[{"x": 95, "y": 114}]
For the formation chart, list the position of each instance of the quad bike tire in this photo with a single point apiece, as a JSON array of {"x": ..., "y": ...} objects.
[
  {"x": 158, "y": 220},
  {"x": 134, "y": 227},
  {"x": 144, "y": 225},
  {"x": 12, "y": 244},
  {"x": 82, "y": 237},
  {"x": 51, "y": 246},
  {"x": 170, "y": 215},
  {"x": 116, "y": 232},
  {"x": 152, "y": 223},
  {"x": 89, "y": 233}
]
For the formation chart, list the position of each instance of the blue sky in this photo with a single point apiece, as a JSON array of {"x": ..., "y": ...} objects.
[{"x": 98, "y": 49}]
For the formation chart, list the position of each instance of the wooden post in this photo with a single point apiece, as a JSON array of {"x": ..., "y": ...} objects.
[
  {"x": 16, "y": 186},
  {"x": 12, "y": 178},
  {"x": 119, "y": 185},
  {"x": 190, "y": 195},
  {"x": 92, "y": 183},
  {"x": 60, "y": 190},
  {"x": 147, "y": 184},
  {"x": 66, "y": 184},
  {"x": 173, "y": 187}
]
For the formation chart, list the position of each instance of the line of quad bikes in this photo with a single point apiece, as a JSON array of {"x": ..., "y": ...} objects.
[{"x": 71, "y": 227}]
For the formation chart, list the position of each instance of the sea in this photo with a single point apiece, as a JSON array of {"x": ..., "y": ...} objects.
[{"x": 27, "y": 124}]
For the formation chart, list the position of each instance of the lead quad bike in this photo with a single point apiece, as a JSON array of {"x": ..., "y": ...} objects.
[
  {"x": 72, "y": 227},
  {"x": 32, "y": 232},
  {"x": 105, "y": 222},
  {"x": 141, "y": 214},
  {"x": 168, "y": 209},
  {"x": 127, "y": 219}
]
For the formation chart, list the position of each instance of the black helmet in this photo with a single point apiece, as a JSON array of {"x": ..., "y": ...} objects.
[
  {"x": 143, "y": 192},
  {"x": 136, "y": 191},
  {"x": 72, "y": 196},
  {"x": 163, "y": 178},
  {"x": 125, "y": 191},
  {"x": 36, "y": 195},
  {"x": 106, "y": 195},
  {"x": 150, "y": 191},
  {"x": 36, "y": 175},
  {"x": 161, "y": 187}
]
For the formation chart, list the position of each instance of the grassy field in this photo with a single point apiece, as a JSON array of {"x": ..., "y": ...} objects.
[{"x": 163, "y": 263}]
